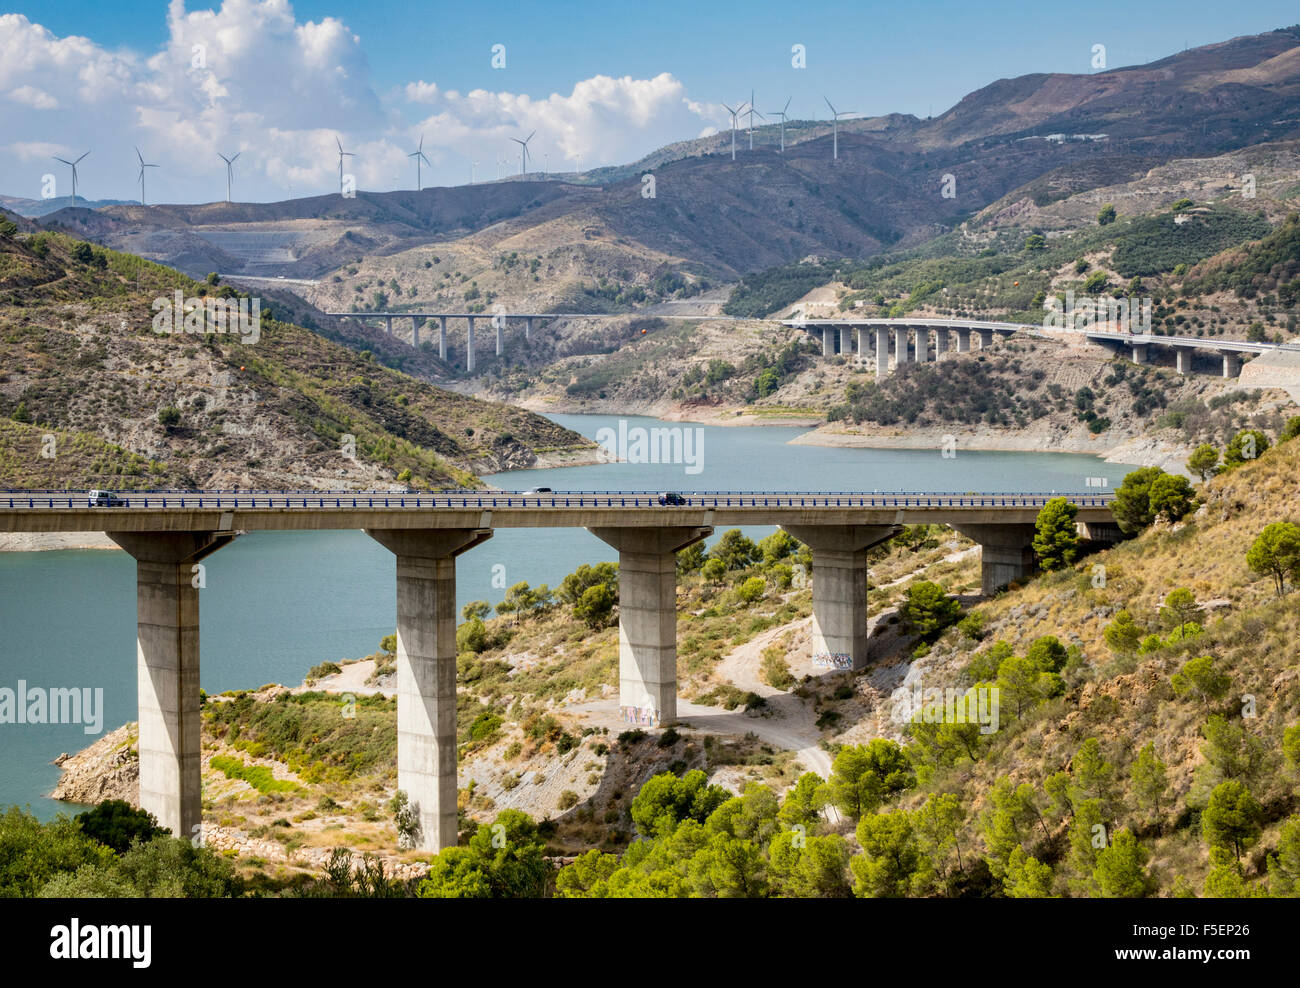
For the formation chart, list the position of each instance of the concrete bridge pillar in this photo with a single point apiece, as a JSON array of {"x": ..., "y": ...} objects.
[
  {"x": 499, "y": 322},
  {"x": 528, "y": 327},
  {"x": 900, "y": 347},
  {"x": 426, "y": 672},
  {"x": 647, "y": 618},
  {"x": 469, "y": 348},
  {"x": 846, "y": 340},
  {"x": 1231, "y": 365},
  {"x": 388, "y": 325},
  {"x": 986, "y": 338},
  {"x": 1184, "y": 358},
  {"x": 1006, "y": 552},
  {"x": 963, "y": 341},
  {"x": 922, "y": 344},
  {"x": 940, "y": 342},
  {"x": 1140, "y": 353},
  {"x": 415, "y": 330},
  {"x": 839, "y": 585},
  {"x": 882, "y": 352},
  {"x": 167, "y": 671},
  {"x": 442, "y": 338},
  {"x": 828, "y": 341}
]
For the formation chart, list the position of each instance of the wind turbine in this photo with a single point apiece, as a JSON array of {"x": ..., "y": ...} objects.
[
  {"x": 73, "y": 166},
  {"x": 143, "y": 166},
  {"x": 734, "y": 115},
  {"x": 230, "y": 170},
  {"x": 418, "y": 155},
  {"x": 523, "y": 152},
  {"x": 836, "y": 114},
  {"x": 342, "y": 154},
  {"x": 782, "y": 115},
  {"x": 752, "y": 112}
]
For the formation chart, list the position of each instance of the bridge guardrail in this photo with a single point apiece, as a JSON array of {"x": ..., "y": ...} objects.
[{"x": 213, "y": 500}]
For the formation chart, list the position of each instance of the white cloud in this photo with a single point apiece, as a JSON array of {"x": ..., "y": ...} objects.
[
  {"x": 36, "y": 98},
  {"x": 250, "y": 77}
]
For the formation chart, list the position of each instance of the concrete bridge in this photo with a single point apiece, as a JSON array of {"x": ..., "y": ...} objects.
[
  {"x": 911, "y": 341},
  {"x": 498, "y": 319},
  {"x": 1138, "y": 345},
  {"x": 168, "y": 532},
  {"x": 910, "y": 337},
  {"x": 908, "y": 340}
]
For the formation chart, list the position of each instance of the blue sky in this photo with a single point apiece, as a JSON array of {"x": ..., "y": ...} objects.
[{"x": 600, "y": 82}]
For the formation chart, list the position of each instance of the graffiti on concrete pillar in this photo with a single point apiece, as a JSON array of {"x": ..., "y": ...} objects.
[
  {"x": 644, "y": 716},
  {"x": 833, "y": 660}
]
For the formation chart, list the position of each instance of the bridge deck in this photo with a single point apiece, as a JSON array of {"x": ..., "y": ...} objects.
[{"x": 34, "y": 511}]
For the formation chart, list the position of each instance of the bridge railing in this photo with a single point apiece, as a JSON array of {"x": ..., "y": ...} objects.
[{"x": 339, "y": 500}]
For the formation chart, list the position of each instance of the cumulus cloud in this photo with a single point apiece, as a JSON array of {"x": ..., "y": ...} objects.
[
  {"x": 38, "y": 99},
  {"x": 251, "y": 77}
]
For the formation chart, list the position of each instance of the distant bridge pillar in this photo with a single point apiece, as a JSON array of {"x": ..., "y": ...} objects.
[
  {"x": 647, "y": 618},
  {"x": 882, "y": 352},
  {"x": 900, "y": 347},
  {"x": 167, "y": 671},
  {"x": 388, "y": 325},
  {"x": 963, "y": 341},
  {"x": 415, "y": 330},
  {"x": 863, "y": 344},
  {"x": 846, "y": 340},
  {"x": 1006, "y": 552},
  {"x": 426, "y": 672},
  {"x": 828, "y": 341},
  {"x": 1184, "y": 358},
  {"x": 528, "y": 327},
  {"x": 442, "y": 338},
  {"x": 986, "y": 338},
  {"x": 940, "y": 342},
  {"x": 839, "y": 585},
  {"x": 469, "y": 348},
  {"x": 922, "y": 344},
  {"x": 1140, "y": 353},
  {"x": 499, "y": 322},
  {"x": 1231, "y": 365}
]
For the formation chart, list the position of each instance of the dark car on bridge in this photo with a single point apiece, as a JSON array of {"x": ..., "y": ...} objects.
[
  {"x": 672, "y": 498},
  {"x": 105, "y": 499}
]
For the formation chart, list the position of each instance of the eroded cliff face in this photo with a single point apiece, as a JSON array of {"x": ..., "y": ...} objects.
[{"x": 108, "y": 769}]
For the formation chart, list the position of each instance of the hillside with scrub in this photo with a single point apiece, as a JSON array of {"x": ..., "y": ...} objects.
[{"x": 92, "y": 395}]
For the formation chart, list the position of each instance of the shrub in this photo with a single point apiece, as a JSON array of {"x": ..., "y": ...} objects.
[
  {"x": 1056, "y": 540},
  {"x": 115, "y": 823},
  {"x": 1276, "y": 552},
  {"x": 752, "y": 589},
  {"x": 1248, "y": 444},
  {"x": 928, "y": 609},
  {"x": 776, "y": 673}
]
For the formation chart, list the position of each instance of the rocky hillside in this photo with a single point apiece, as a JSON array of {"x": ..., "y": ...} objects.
[{"x": 277, "y": 406}]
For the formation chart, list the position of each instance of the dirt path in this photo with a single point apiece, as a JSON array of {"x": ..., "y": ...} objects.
[
  {"x": 351, "y": 679},
  {"x": 790, "y": 722}
]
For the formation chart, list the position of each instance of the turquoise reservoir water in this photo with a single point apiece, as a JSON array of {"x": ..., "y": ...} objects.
[{"x": 277, "y": 603}]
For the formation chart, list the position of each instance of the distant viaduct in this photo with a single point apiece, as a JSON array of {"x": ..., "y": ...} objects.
[
  {"x": 911, "y": 341},
  {"x": 868, "y": 340}
]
